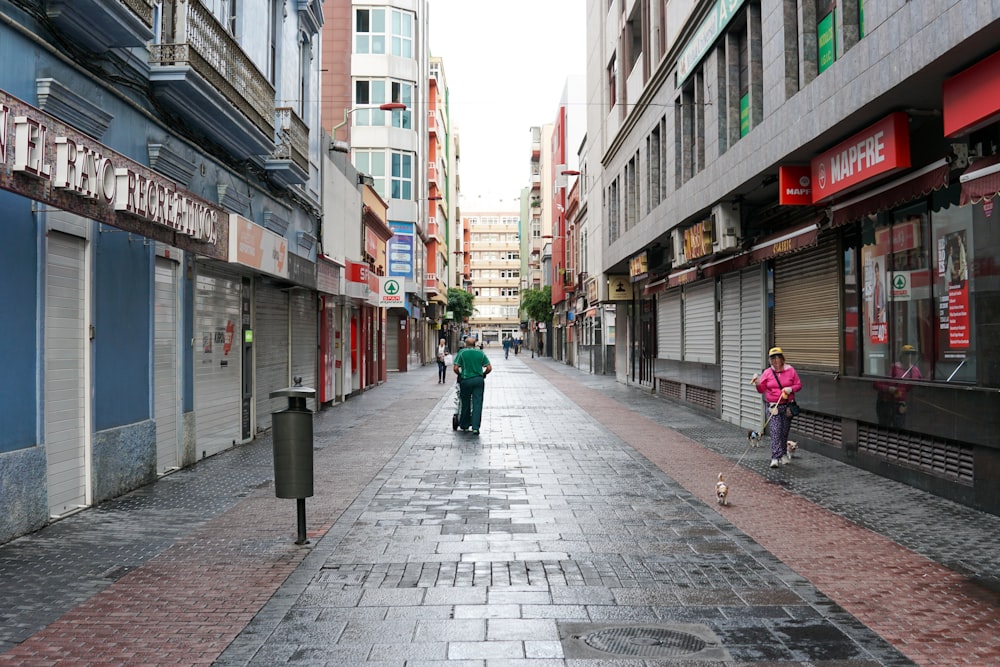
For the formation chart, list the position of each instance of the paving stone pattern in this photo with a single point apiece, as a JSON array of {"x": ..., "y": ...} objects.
[{"x": 578, "y": 529}]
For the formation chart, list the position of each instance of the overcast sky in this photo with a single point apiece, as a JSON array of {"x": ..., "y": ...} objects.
[{"x": 505, "y": 64}]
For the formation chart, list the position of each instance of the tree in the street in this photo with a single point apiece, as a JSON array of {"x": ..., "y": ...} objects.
[
  {"x": 460, "y": 304},
  {"x": 537, "y": 304}
]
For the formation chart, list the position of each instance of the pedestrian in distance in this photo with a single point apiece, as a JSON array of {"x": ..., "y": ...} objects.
[
  {"x": 442, "y": 352},
  {"x": 471, "y": 366},
  {"x": 506, "y": 347},
  {"x": 541, "y": 346},
  {"x": 778, "y": 383}
]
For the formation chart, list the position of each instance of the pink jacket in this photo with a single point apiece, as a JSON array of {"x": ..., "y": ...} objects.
[{"x": 768, "y": 385}]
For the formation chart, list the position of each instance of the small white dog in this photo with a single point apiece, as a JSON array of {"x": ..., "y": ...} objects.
[
  {"x": 791, "y": 447},
  {"x": 722, "y": 491}
]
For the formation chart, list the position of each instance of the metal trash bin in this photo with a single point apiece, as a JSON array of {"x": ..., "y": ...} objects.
[{"x": 292, "y": 441}]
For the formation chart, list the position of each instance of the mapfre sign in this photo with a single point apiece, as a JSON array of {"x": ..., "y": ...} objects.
[{"x": 46, "y": 160}]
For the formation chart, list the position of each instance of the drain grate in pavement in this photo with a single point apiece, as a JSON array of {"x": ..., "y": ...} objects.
[
  {"x": 117, "y": 572},
  {"x": 663, "y": 642}
]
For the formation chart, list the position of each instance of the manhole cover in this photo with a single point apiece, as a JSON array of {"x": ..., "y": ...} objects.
[
  {"x": 645, "y": 642},
  {"x": 672, "y": 641}
]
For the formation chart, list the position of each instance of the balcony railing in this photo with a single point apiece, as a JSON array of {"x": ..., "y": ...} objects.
[
  {"x": 293, "y": 138},
  {"x": 193, "y": 37}
]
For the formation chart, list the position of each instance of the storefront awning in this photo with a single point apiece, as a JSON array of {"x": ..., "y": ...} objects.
[
  {"x": 655, "y": 287},
  {"x": 913, "y": 185},
  {"x": 682, "y": 277},
  {"x": 786, "y": 242},
  {"x": 981, "y": 181}
]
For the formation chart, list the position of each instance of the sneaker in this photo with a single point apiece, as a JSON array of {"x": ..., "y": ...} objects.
[
  {"x": 774, "y": 463},
  {"x": 786, "y": 459},
  {"x": 475, "y": 431}
]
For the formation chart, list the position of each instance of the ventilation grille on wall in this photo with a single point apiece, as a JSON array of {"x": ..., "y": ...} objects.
[
  {"x": 941, "y": 458},
  {"x": 703, "y": 398},
  {"x": 669, "y": 389},
  {"x": 823, "y": 428}
]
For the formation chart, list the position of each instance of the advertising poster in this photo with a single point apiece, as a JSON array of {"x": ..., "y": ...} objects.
[
  {"x": 876, "y": 298},
  {"x": 954, "y": 269}
]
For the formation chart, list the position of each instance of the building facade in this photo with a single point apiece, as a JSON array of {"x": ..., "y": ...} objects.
[
  {"x": 495, "y": 266},
  {"x": 161, "y": 207},
  {"x": 817, "y": 176}
]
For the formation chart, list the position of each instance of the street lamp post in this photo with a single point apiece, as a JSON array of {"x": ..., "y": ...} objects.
[{"x": 343, "y": 146}]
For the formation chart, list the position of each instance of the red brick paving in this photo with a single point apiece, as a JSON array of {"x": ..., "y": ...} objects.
[
  {"x": 931, "y": 614},
  {"x": 186, "y": 605}
]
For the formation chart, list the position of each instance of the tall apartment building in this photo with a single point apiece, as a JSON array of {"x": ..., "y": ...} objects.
[
  {"x": 817, "y": 175},
  {"x": 493, "y": 245}
]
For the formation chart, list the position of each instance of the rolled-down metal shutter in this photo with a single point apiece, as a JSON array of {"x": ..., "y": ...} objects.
[
  {"x": 305, "y": 315},
  {"x": 668, "y": 322},
  {"x": 699, "y": 322},
  {"x": 271, "y": 350},
  {"x": 807, "y": 322},
  {"x": 730, "y": 348},
  {"x": 217, "y": 366},
  {"x": 753, "y": 313},
  {"x": 392, "y": 341}
]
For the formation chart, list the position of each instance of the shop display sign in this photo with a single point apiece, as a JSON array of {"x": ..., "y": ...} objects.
[
  {"x": 876, "y": 151},
  {"x": 794, "y": 185},
  {"x": 44, "y": 159}
]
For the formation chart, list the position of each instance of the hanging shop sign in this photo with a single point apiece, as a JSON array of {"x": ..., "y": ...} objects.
[
  {"x": 698, "y": 240},
  {"x": 619, "y": 288},
  {"x": 878, "y": 150},
  {"x": 261, "y": 249},
  {"x": 971, "y": 98},
  {"x": 638, "y": 267},
  {"x": 44, "y": 159},
  {"x": 795, "y": 185},
  {"x": 391, "y": 293}
]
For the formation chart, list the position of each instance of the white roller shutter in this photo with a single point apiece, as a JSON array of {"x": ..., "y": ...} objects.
[
  {"x": 217, "y": 365},
  {"x": 668, "y": 323},
  {"x": 699, "y": 322},
  {"x": 271, "y": 350},
  {"x": 166, "y": 394},
  {"x": 66, "y": 409},
  {"x": 305, "y": 318},
  {"x": 742, "y": 335},
  {"x": 807, "y": 324}
]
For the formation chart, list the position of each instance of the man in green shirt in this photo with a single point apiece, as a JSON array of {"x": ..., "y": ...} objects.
[{"x": 471, "y": 366}]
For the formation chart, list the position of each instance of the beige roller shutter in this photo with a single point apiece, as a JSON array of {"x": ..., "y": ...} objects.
[{"x": 807, "y": 321}]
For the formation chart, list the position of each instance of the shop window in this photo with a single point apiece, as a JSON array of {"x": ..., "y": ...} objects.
[{"x": 918, "y": 294}]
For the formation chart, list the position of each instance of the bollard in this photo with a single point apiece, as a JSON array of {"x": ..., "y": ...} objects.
[{"x": 292, "y": 440}]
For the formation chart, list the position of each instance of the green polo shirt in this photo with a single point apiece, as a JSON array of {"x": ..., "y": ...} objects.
[{"x": 472, "y": 361}]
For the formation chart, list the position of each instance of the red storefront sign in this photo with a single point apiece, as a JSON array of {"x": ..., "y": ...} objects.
[
  {"x": 795, "y": 185},
  {"x": 972, "y": 98},
  {"x": 878, "y": 150}
]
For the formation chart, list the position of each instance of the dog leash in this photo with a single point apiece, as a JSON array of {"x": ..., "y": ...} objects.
[{"x": 763, "y": 428}]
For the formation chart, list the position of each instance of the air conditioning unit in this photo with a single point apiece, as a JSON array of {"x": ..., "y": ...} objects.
[
  {"x": 677, "y": 239},
  {"x": 727, "y": 227}
]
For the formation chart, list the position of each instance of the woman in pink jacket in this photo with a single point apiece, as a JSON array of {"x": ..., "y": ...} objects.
[{"x": 778, "y": 383}]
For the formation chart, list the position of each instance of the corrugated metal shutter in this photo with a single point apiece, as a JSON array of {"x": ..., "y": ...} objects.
[
  {"x": 807, "y": 308},
  {"x": 271, "y": 350},
  {"x": 392, "y": 341},
  {"x": 166, "y": 397},
  {"x": 753, "y": 330},
  {"x": 668, "y": 322},
  {"x": 65, "y": 379},
  {"x": 742, "y": 334},
  {"x": 699, "y": 322},
  {"x": 305, "y": 314},
  {"x": 217, "y": 373}
]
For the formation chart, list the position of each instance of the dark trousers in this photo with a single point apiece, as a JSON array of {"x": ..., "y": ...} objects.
[
  {"x": 442, "y": 371},
  {"x": 471, "y": 393}
]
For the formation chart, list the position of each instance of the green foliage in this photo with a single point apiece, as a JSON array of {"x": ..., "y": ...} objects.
[
  {"x": 460, "y": 303},
  {"x": 537, "y": 304}
]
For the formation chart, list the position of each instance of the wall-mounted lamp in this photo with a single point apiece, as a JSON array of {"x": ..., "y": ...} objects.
[{"x": 343, "y": 146}]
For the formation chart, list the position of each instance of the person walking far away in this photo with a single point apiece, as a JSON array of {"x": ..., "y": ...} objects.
[
  {"x": 778, "y": 383},
  {"x": 471, "y": 366},
  {"x": 506, "y": 347},
  {"x": 442, "y": 351},
  {"x": 541, "y": 346}
]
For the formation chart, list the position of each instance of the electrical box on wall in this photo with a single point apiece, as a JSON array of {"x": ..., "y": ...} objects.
[{"x": 726, "y": 217}]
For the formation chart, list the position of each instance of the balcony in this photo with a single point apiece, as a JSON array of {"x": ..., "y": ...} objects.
[
  {"x": 289, "y": 164},
  {"x": 201, "y": 73},
  {"x": 100, "y": 25},
  {"x": 434, "y": 123}
]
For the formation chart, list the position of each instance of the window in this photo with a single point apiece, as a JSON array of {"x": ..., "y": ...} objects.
[
  {"x": 633, "y": 38},
  {"x": 402, "y": 176},
  {"x": 371, "y": 34},
  {"x": 373, "y": 164},
  {"x": 402, "y": 92},
  {"x": 273, "y": 37},
  {"x": 919, "y": 293},
  {"x": 372, "y": 93},
  {"x": 612, "y": 82},
  {"x": 227, "y": 16},
  {"x": 612, "y": 216}
]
